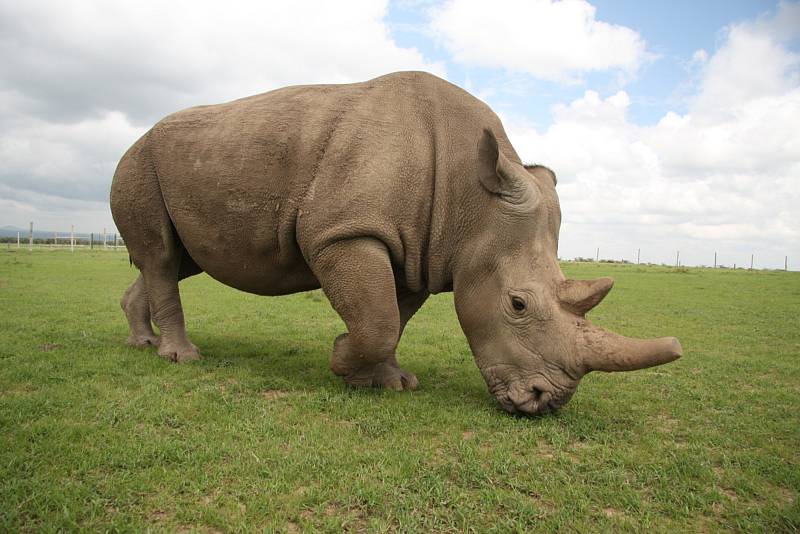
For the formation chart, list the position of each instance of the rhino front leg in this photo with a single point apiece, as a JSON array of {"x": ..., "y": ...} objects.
[{"x": 357, "y": 277}]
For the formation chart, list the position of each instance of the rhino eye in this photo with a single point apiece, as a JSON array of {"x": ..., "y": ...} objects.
[{"x": 518, "y": 304}]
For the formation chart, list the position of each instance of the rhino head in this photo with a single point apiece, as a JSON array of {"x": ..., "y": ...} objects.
[{"x": 524, "y": 320}]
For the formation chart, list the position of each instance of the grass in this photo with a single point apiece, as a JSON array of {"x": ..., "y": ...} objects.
[{"x": 259, "y": 435}]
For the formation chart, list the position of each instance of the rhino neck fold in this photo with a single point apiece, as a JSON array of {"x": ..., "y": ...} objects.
[
  {"x": 438, "y": 255},
  {"x": 447, "y": 217},
  {"x": 459, "y": 203}
]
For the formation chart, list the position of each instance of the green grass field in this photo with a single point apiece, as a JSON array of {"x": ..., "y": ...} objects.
[{"x": 259, "y": 435}]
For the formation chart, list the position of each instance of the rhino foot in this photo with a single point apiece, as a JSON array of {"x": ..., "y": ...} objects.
[
  {"x": 143, "y": 341},
  {"x": 383, "y": 375},
  {"x": 358, "y": 373},
  {"x": 179, "y": 353}
]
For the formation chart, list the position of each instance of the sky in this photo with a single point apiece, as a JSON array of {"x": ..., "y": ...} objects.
[{"x": 672, "y": 126}]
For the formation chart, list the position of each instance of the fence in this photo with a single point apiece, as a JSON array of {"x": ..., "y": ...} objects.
[
  {"x": 62, "y": 240},
  {"x": 679, "y": 263}
]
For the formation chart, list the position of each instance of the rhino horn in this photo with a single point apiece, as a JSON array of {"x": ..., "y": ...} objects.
[
  {"x": 580, "y": 296},
  {"x": 606, "y": 351}
]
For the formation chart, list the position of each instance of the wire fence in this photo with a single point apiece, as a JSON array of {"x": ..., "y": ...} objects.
[
  {"x": 678, "y": 263},
  {"x": 63, "y": 240}
]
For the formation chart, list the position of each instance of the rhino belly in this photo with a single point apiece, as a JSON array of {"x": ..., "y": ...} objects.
[{"x": 241, "y": 236}]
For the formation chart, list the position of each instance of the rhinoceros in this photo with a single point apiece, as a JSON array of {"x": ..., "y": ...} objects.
[{"x": 381, "y": 193}]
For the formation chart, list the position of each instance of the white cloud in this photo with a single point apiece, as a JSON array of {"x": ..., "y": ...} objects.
[
  {"x": 724, "y": 176},
  {"x": 699, "y": 57},
  {"x": 74, "y": 160},
  {"x": 150, "y": 57},
  {"x": 80, "y": 80},
  {"x": 86, "y": 215},
  {"x": 751, "y": 65},
  {"x": 548, "y": 39}
]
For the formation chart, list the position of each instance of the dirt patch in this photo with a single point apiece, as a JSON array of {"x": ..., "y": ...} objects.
[
  {"x": 22, "y": 389},
  {"x": 467, "y": 435},
  {"x": 613, "y": 512},
  {"x": 49, "y": 347},
  {"x": 308, "y": 515},
  {"x": 545, "y": 450},
  {"x": 274, "y": 394},
  {"x": 785, "y": 496},
  {"x": 730, "y": 494},
  {"x": 546, "y": 505},
  {"x": 665, "y": 423},
  {"x": 357, "y": 522},
  {"x": 158, "y": 515},
  {"x": 193, "y": 528}
]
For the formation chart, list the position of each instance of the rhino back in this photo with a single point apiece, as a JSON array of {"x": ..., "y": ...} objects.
[{"x": 258, "y": 186}]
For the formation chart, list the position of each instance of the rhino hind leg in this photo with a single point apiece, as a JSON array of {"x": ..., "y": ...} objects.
[
  {"x": 161, "y": 273},
  {"x": 137, "y": 310},
  {"x": 155, "y": 248},
  {"x": 357, "y": 277},
  {"x": 136, "y": 306}
]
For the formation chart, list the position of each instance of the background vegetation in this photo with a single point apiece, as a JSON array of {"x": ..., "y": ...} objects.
[{"x": 260, "y": 435}]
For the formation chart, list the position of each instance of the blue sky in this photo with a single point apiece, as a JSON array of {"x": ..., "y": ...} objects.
[
  {"x": 671, "y": 125},
  {"x": 674, "y": 31}
]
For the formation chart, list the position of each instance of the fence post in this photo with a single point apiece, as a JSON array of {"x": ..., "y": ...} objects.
[
  {"x": 678, "y": 259},
  {"x": 104, "y": 239},
  {"x": 597, "y": 257},
  {"x": 715, "y": 260},
  {"x": 786, "y": 263},
  {"x": 72, "y": 238},
  {"x": 30, "y": 237},
  {"x": 17, "y": 239},
  {"x": 91, "y": 241},
  {"x": 638, "y": 254},
  {"x": 751, "y": 262},
  {"x": 115, "y": 242}
]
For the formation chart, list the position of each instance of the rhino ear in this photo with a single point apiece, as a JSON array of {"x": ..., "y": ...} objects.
[
  {"x": 542, "y": 172},
  {"x": 498, "y": 175}
]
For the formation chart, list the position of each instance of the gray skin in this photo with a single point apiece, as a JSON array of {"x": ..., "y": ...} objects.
[{"x": 381, "y": 193}]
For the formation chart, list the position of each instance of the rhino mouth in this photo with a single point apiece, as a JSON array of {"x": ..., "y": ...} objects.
[
  {"x": 532, "y": 396},
  {"x": 532, "y": 402}
]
